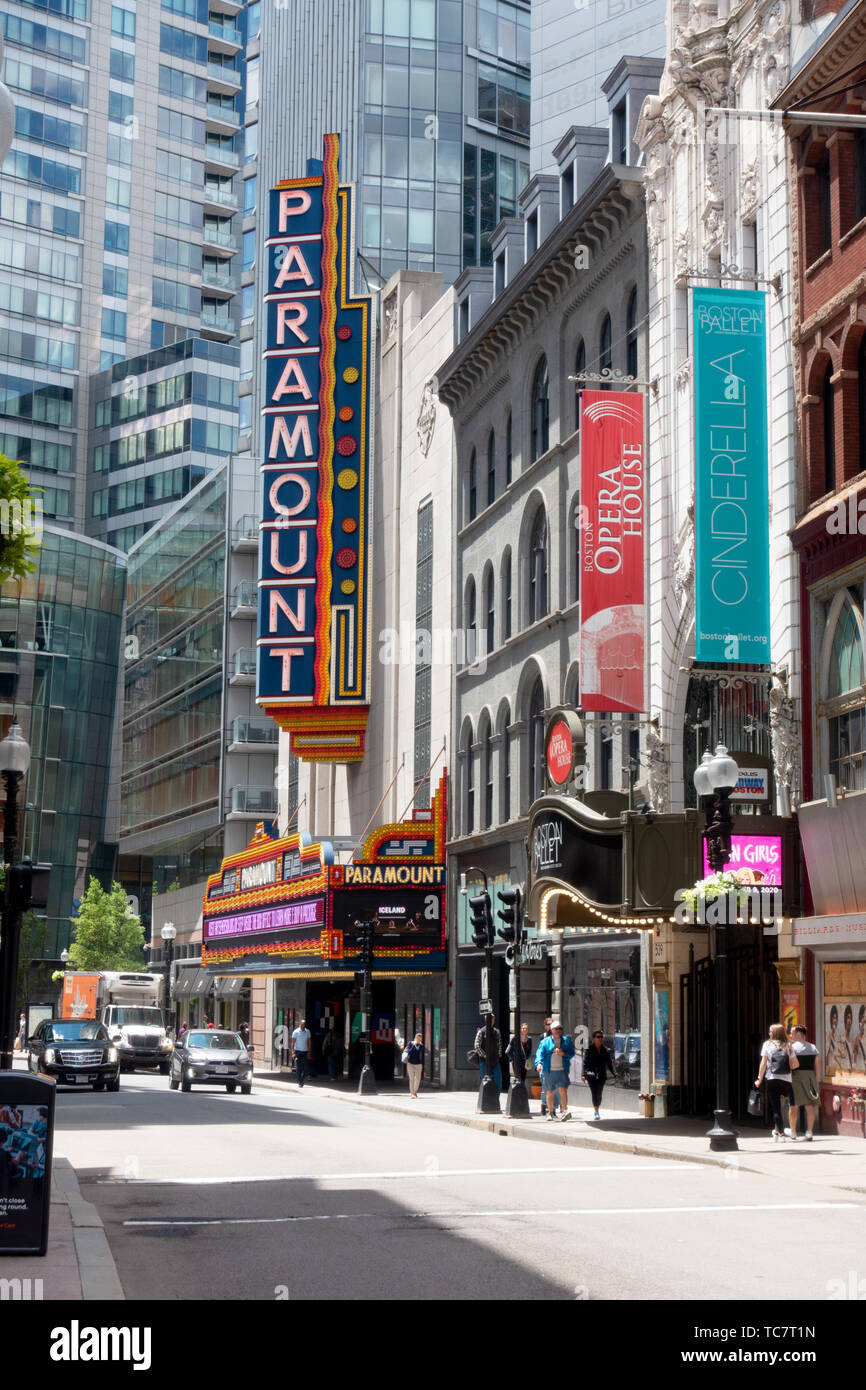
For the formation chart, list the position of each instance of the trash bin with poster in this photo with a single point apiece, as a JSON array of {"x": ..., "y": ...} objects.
[{"x": 26, "y": 1144}]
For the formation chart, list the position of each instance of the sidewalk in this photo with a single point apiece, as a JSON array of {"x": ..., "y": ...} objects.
[
  {"x": 829, "y": 1161},
  {"x": 79, "y": 1265}
]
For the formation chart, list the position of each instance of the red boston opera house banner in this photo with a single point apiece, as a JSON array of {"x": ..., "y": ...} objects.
[{"x": 612, "y": 551}]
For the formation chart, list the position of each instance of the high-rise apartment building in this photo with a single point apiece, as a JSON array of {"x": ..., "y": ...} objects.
[{"x": 118, "y": 205}]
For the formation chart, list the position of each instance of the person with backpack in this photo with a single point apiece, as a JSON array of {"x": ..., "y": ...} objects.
[{"x": 777, "y": 1063}]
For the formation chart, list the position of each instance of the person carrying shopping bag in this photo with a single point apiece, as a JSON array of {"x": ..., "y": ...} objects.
[{"x": 777, "y": 1063}]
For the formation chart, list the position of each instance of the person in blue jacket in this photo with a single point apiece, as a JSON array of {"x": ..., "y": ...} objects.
[{"x": 551, "y": 1062}]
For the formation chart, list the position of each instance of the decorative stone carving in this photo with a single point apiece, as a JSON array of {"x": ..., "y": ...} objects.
[
  {"x": 683, "y": 374},
  {"x": 390, "y": 312},
  {"x": 784, "y": 737},
  {"x": 749, "y": 188},
  {"x": 714, "y": 230},
  {"x": 658, "y": 763},
  {"x": 684, "y": 558},
  {"x": 681, "y": 251},
  {"x": 426, "y": 417}
]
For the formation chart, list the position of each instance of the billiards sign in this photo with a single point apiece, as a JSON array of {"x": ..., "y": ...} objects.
[{"x": 314, "y": 580}]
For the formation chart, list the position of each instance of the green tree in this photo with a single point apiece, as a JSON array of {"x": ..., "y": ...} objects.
[
  {"x": 108, "y": 934},
  {"x": 19, "y": 543},
  {"x": 33, "y": 975}
]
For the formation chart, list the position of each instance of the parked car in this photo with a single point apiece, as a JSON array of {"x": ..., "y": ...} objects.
[
  {"x": 626, "y": 1056},
  {"x": 211, "y": 1057},
  {"x": 76, "y": 1052}
]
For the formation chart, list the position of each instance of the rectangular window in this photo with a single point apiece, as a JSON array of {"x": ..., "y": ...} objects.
[
  {"x": 254, "y": 20},
  {"x": 48, "y": 130},
  {"x": 117, "y": 193},
  {"x": 487, "y": 205},
  {"x": 859, "y": 177},
  {"x": 114, "y": 281},
  {"x": 186, "y": 255},
  {"x": 248, "y": 303},
  {"x": 26, "y": 34},
  {"x": 116, "y": 237},
  {"x": 251, "y": 142},
  {"x": 20, "y": 164},
  {"x": 470, "y": 204},
  {"x": 120, "y": 106},
  {"x": 120, "y": 149},
  {"x": 824, "y": 189},
  {"x": 179, "y": 169},
  {"x": 249, "y": 196},
  {"x": 175, "y": 126},
  {"x": 248, "y": 257},
  {"x": 114, "y": 324},
  {"x": 252, "y": 82},
  {"x": 122, "y": 65},
  {"x": 122, "y": 23},
  {"x": 179, "y": 43}
]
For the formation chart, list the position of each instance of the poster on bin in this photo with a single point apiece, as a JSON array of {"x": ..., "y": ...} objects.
[
  {"x": 612, "y": 643},
  {"x": 23, "y": 1160}
]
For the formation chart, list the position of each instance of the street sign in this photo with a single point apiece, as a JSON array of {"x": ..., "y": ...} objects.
[
  {"x": 485, "y": 981},
  {"x": 533, "y": 952},
  {"x": 512, "y": 989},
  {"x": 485, "y": 1006}
]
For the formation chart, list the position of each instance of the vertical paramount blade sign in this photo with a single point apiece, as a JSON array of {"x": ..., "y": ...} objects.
[
  {"x": 732, "y": 529},
  {"x": 612, "y": 551},
  {"x": 314, "y": 578}
]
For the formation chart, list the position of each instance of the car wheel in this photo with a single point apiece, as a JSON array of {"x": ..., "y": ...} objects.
[
  {"x": 185, "y": 1084},
  {"x": 246, "y": 1090},
  {"x": 113, "y": 1085},
  {"x": 231, "y": 1087},
  {"x": 164, "y": 1068}
]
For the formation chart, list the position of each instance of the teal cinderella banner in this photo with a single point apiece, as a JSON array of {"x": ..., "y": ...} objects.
[{"x": 732, "y": 530}]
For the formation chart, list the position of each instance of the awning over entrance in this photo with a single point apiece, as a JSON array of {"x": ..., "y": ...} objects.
[
  {"x": 192, "y": 983},
  {"x": 227, "y": 986},
  {"x": 834, "y": 847}
]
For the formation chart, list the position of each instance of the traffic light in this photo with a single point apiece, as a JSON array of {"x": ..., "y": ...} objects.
[
  {"x": 19, "y": 882},
  {"x": 509, "y": 913},
  {"x": 482, "y": 921},
  {"x": 365, "y": 943}
]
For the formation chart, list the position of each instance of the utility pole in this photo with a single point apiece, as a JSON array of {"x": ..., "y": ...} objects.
[
  {"x": 511, "y": 914},
  {"x": 483, "y": 934}
]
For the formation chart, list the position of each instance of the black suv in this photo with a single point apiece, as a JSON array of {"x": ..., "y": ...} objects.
[{"x": 77, "y": 1053}]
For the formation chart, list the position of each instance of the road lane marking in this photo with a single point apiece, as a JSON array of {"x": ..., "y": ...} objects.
[
  {"x": 522, "y": 1213},
  {"x": 400, "y": 1173}
]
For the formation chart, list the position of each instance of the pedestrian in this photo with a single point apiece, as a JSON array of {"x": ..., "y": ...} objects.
[
  {"x": 515, "y": 1048},
  {"x": 597, "y": 1067},
  {"x": 552, "y": 1062},
  {"x": 244, "y": 1031},
  {"x": 184, "y": 1028},
  {"x": 776, "y": 1065},
  {"x": 18, "y": 1045},
  {"x": 495, "y": 1051},
  {"x": 415, "y": 1064},
  {"x": 301, "y": 1040},
  {"x": 804, "y": 1080},
  {"x": 545, "y": 1034},
  {"x": 332, "y": 1051}
]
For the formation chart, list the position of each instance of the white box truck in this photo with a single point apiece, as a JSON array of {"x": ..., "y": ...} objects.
[{"x": 130, "y": 1006}]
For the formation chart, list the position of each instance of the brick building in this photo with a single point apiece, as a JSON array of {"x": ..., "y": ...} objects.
[{"x": 828, "y": 167}]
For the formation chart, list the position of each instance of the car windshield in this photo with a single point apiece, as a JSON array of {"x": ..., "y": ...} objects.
[
  {"x": 126, "y": 1016},
  {"x": 75, "y": 1032},
  {"x": 216, "y": 1042}
]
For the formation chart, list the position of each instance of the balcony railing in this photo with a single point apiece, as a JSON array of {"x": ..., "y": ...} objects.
[
  {"x": 223, "y": 113},
  {"x": 218, "y": 154},
  {"x": 245, "y": 595},
  {"x": 223, "y": 73},
  {"x": 219, "y": 236},
  {"x": 263, "y": 731},
  {"x": 257, "y": 800},
  {"x": 246, "y": 530},
  {"x": 244, "y": 663},
  {"x": 218, "y": 280},
  {"x": 226, "y": 197},
  {"x": 229, "y": 33},
  {"x": 210, "y": 318}
]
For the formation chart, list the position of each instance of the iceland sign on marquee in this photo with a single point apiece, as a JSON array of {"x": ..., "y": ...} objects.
[{"x": 314, "y": 583}]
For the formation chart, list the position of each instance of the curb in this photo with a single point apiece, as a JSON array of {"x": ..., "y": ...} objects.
[
  {"x": 96, "y": 1268},
  {"x": 519, "y": 1129}
]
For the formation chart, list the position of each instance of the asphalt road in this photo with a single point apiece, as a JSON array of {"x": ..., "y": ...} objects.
[{"x": 297, "y": 1196}]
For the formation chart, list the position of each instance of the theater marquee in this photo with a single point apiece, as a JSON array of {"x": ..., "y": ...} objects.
[{"x": 314, "y": 585}]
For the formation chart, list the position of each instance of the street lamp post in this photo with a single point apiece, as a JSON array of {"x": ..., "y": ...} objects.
[
  {"x": 168, "y": 932},
  {"x": 714, "y": 780},
  {"x": 367, "y": 1081},
  {"x": 14, "y": 762},
  {"x": 483, "y": 936}
]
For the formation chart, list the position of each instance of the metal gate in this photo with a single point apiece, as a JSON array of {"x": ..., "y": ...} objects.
[{"x": 753, "y": 1003}]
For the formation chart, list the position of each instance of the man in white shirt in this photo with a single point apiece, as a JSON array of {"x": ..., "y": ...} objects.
[{"x": 301, "y": 1049}]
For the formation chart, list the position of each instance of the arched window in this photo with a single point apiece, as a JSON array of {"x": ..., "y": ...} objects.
[
  {"x": 579, "y": 369},
  {"x": 845, "y": 692},
  {"x": 491, "y": 468},
  {"x": 540, "y": 412},
  {"x": 471, "y": 623},
  {"x": 605, "y": 349},
  {"x": 537, "y": 597},
  {"x": 489, "y": 612},
  {"x": 506, "y": 772},
  {"x": 829, "y": 412},
  {"x": 508, "y": 451},
  {"x": 861, "y": 403},
  {"x": 470, "y": 790},
  {"x": 535, "y": 728},
  {"x": 473, "y": 487},
  {"x": 631, "y": 334},
  {"x": 487, "y": 775},
  {"x": 506, "y": 596}
]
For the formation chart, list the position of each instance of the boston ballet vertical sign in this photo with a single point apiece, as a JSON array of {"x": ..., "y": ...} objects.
[
  {"x": 732, "y": 529},
  {"x": 314, "y": 578}
]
